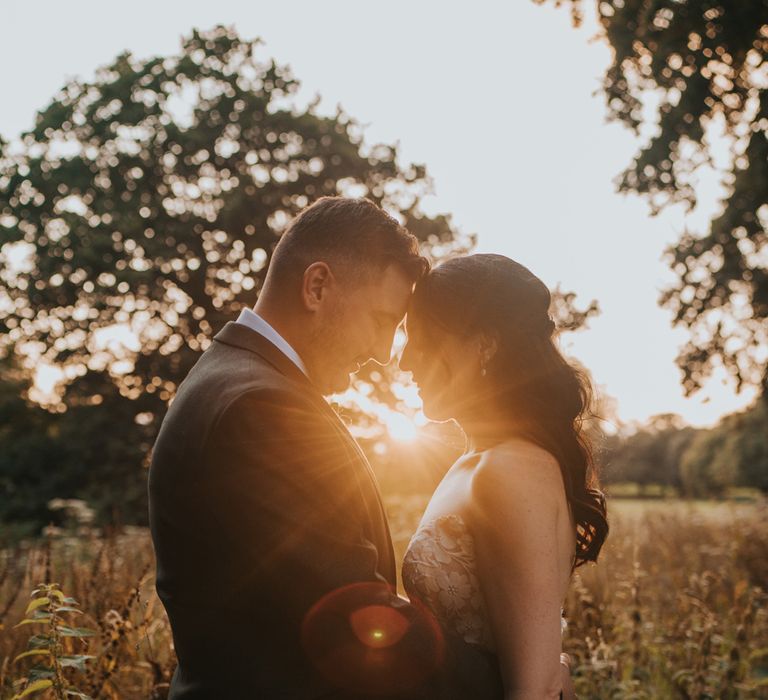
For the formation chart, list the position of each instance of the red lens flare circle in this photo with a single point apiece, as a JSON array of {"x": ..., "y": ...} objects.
[{"x": 364, "y": 639}]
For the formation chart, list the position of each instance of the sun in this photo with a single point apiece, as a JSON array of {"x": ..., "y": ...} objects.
[{"x": 400, "y": 427}]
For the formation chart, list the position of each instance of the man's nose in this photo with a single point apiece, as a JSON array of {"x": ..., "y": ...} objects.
[{"x": 382, "y": 352}]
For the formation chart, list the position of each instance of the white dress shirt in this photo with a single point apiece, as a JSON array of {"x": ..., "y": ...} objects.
[{"x": 252, "y": 320}]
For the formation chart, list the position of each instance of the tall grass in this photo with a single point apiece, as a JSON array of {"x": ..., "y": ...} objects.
[{"x": 676, "y": 607}]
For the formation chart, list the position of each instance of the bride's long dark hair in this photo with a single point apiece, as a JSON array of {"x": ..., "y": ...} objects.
[{"x": 540, "y": 395}]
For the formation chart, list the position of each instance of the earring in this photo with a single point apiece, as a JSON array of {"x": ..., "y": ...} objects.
[{"x": 483, "y": 371}]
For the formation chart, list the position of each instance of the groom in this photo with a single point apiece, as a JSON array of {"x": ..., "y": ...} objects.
[{"x": 274, "y": 558}]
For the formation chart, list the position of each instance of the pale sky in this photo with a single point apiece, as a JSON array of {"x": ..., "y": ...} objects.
[{"x": 496, "y": 98}]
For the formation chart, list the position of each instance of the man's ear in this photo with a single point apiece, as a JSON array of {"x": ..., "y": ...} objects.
[{"x": 315, "y": 284}]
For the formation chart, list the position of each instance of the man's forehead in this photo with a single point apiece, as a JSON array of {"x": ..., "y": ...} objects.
[
  {"x": 393, "y": 292},
  {"x": 389, "y": 308}
]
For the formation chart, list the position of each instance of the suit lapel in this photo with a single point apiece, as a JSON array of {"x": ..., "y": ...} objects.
[
  {"x": 377, "y": 520},
  {"x": 240, "y": 336}
]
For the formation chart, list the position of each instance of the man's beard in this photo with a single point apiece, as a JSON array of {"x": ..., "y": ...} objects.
[{"x": 328, "y": 346}]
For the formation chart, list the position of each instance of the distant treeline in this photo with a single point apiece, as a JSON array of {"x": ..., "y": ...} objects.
[{"x": 696, "y": 462}]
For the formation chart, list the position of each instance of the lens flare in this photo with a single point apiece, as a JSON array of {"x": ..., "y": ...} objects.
[
  {"x": 378, "y": 626},
  {"x": 364, "y": 639}
]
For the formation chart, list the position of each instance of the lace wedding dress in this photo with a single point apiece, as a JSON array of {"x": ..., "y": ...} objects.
[{"x": 439, "y": 569}]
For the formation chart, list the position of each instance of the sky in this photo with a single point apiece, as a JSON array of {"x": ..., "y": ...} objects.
[{"x": 500, "y": 100}]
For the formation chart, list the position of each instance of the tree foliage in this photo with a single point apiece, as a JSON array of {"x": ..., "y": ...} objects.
[
  {"x": 703, "y": 63},
  {"x": 696, "y": 462},
  {"x": 734, "y": 453},
  {"x": 650, "y": 456},
  {"x": 152, "y": 198},
  {"x": 93, "y": 451}
]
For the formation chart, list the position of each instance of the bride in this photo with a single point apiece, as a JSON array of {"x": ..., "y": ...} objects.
[{"x": 512, "y": 518}]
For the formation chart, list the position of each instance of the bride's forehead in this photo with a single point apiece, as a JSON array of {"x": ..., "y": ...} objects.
[{"x": 415, "y": 327}]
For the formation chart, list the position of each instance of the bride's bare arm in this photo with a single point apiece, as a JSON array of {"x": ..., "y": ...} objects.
[{"x": 517, "y": 497}]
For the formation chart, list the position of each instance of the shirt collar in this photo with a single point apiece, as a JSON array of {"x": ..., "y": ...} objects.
[{"x": 252, "y": 320}]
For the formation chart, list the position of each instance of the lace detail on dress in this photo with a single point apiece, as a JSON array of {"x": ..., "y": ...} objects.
[{"x": 439, "y": 569}]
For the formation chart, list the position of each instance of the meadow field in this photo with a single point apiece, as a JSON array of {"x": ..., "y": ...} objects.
[{"x": 676, "y": 607}]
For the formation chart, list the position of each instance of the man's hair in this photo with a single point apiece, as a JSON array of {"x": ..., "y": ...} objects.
[{"x": 355, "y": 237}]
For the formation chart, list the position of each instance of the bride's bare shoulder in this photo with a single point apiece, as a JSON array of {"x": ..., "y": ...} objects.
[{"x": 516, "y": 470}]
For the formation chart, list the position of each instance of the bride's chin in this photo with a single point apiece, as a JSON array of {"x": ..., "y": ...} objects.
[{"x": 434, "y": 411}]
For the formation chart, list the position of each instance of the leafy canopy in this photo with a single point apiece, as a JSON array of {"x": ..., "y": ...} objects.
[
  {"x": 153, "y": 196},
  {"x": 703, "y": 63}
]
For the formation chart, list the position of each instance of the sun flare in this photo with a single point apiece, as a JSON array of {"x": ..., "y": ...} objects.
[{"x": 400, "y": 427}]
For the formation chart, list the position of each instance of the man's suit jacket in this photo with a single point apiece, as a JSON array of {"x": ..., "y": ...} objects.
[{"x": 261, "y": 503}]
